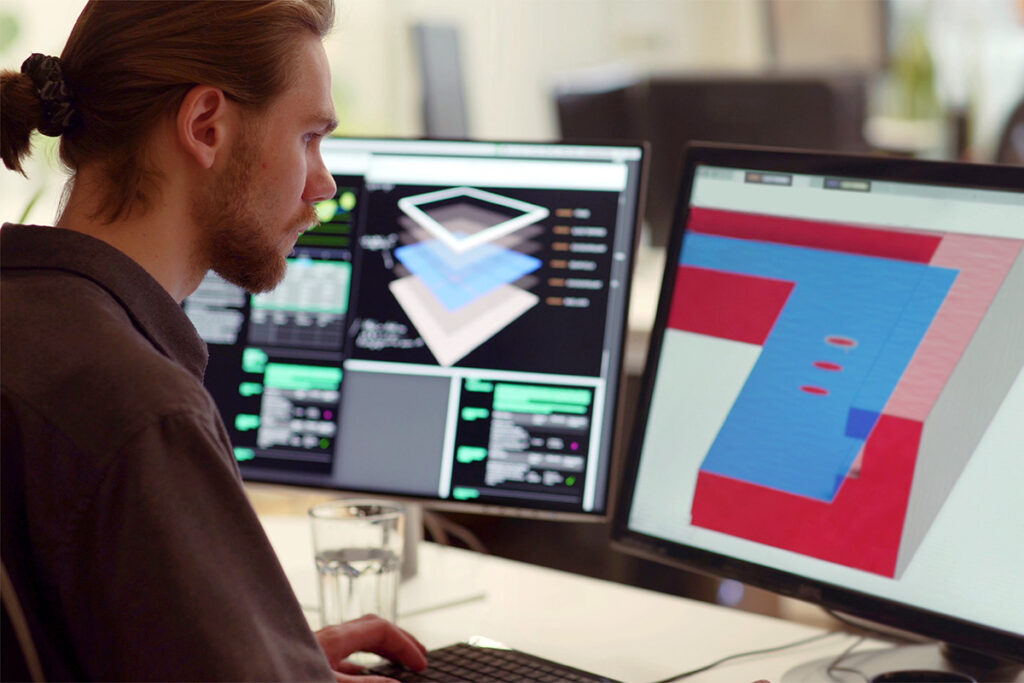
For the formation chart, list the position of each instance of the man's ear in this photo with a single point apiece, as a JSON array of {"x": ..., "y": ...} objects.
[{"x": 203, "y": 123}]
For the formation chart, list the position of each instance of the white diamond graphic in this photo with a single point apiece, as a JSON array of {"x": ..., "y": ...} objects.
[{"x": 531, "y": 214}]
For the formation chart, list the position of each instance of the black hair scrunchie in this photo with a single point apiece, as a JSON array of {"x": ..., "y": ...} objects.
[{"x": 56, "y": 96}]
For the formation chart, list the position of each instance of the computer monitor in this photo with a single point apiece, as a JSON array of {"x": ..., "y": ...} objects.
[
  {"x": 451, "y": 332},
  {"x": 833, "y": 402}
]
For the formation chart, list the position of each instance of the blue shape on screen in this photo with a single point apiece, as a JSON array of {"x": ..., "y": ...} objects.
[
  {"x": 798, "y": 440},
  {"x": 860, "y": 422},
  {"x": 457, "y": 278}
]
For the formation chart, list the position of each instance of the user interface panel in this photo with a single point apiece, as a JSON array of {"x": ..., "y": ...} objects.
[{"x": 452, "y": 330}]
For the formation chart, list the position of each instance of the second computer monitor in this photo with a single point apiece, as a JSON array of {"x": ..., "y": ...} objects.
[
  {"x": 452, "y": 331},
  {"x": 832, "y": 405}
]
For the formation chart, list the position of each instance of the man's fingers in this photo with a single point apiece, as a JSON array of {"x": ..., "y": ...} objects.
[
  {"x": 372, "y": 634},
  {"x": 344, "y": 678},
  {"x": 411, "y": 637},
  {"x": 347, "y": 667},
  {"x": 359, "y": 678}
]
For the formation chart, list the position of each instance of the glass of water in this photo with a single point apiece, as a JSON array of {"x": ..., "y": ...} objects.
[{"x": 358, "y": 545}]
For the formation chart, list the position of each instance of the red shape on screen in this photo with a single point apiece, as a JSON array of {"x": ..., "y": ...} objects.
[
  {"x": 860, "y": 528},
  {"x": 842, "y": 342},
  {"x": 727, "y": 305},
  {"x": 905, "y": 246}
]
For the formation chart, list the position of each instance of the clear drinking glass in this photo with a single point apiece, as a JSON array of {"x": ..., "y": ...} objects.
[{"x": 358, "y": 545}]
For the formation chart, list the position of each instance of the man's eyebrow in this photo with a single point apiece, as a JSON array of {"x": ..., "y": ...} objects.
[{"x": 327, "y": 123}]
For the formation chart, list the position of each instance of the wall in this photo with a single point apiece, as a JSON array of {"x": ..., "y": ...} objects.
[
  {"x": 512, "y": 52},
  {"x": 515, "y": 50},
  {"x": 42, "y": 26}
]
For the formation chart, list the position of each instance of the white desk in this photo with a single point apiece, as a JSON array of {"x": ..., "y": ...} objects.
[{"x": 618, "y": 631}]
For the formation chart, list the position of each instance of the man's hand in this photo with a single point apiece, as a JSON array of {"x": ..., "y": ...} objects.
[{"x": 369, "y": 634}]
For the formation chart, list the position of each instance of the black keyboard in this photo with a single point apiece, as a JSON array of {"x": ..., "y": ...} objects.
[{"x": 465, "y": 662}]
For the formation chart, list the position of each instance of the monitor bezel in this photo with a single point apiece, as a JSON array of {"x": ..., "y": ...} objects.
[
  {"x": 955, "y": 631},
  {"x": 618, "y": 369}
]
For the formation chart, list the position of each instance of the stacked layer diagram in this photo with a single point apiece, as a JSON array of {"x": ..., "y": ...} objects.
[{"x": 462, "y": 257}]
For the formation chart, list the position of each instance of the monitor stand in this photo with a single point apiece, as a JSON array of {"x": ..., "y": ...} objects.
[
  {"x": 411, "y": 540},
  {"x": 934, "y": 663}
]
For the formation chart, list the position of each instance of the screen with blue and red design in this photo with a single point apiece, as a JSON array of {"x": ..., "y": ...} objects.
[{"x": 837, "y": 388}]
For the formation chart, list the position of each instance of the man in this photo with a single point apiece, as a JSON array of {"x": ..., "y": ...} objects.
[{"x": 192, "y": 132}]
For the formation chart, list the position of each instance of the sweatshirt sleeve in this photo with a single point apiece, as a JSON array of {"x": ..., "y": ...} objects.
[{"x": 177, "y": 580}]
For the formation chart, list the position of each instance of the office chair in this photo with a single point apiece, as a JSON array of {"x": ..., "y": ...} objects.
[
  {"x": 807, "y": 111},
  {"x": 604, "y": 107}
]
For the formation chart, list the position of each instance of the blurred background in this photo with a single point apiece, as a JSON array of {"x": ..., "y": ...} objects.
[
  {"x": 932, "y": 78},
  {"x": 940, "y": 79}
]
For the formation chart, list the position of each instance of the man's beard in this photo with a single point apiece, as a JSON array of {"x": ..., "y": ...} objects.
[{"x": 236, "y": 241}]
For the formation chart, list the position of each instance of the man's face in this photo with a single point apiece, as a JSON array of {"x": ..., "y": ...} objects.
[{"x": 263, "y": 198}]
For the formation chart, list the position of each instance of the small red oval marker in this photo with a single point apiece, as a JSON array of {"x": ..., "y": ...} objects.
[
  {"x": 825, "y": 365},
  {"x": 818, "y": 391},
  {"x": 836, "y": 340}
]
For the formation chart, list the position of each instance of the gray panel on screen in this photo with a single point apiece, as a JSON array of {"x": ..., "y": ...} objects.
[
  {"x": 393, "y": 432},
  {"x": 965, "y": 409}
]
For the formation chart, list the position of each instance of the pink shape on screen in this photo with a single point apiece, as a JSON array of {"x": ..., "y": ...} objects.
[
  {"x": 826, "y": 365},
  {"x": 819, "y": 391},
  {"x": 983, "y": 263}
]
